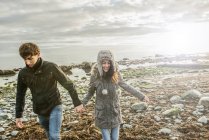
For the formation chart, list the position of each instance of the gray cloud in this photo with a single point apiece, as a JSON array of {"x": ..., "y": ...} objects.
[{"x": 48, "y": 20}]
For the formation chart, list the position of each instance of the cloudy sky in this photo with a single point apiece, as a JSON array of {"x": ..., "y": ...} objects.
[{"x": 144, "y": 23}]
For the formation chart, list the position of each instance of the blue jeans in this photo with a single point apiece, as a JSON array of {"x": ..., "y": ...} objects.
[
  {"x": 110, "y": 134},
  {"x": 52, "y": 124}
]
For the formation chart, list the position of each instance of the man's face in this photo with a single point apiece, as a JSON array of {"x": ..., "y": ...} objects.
[{"x": 30, "y": 60}]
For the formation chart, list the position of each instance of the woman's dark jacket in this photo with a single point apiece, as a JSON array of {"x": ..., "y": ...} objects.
[
  {"x": 42, "y": 82},
  {"x": 107, "y": 103}
]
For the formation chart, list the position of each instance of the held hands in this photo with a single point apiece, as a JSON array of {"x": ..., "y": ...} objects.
[
  {"x": 79, "y": 109},
  {"x": 19, "y": 123}
]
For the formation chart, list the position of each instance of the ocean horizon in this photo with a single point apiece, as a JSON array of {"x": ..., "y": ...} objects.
[{"x": 66, "y": 55}]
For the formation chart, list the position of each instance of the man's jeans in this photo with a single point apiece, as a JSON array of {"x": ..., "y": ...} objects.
[
  {"x": 110, "y": 134},
  {"x": 52, "y": 124}
]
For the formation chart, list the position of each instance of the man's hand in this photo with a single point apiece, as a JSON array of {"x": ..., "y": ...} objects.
[
  {"x": 19, "y": 123},
  {"x": 79, "y": 109}
]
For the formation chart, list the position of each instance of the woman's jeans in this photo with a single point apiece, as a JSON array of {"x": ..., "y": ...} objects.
[
  {"x": 110, "y": 134},
  {"x": 52, "y": 124}
]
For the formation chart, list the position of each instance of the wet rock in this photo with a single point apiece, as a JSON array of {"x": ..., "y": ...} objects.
[
  {"x": 203, "y": 120},
  {"x": 171, "y": 112},
  {"x": 14, "y": 133},
  {"x": 174, "y": 138},
  {"x": 17, "y": 69},
  {"x": 159, "y": 55},
  {"x": 83, "y": 78},
  {"x": 139, "y": 106},
  {"x": 198, "y": 124},
  {"x": 200, "y": 108},
  {"x": 7, "y": 72},
  {"x": 158, "y": 108},
  {"x": 204, "y": 101},
  {"x": 2, "y": 129},
  {"x": 66, "y": 69},
  {"x": 165, "y": 131},
  {"x": 126, "y": 59},
  {"x": 3, "y": 103},
  {"x": 180, "y": 106},
  {"x": 177, "y": 121},
  {"x": 191, "y": 94},
  {"x": 205, "y": 95},
  {"x": 4, "y": 116},
  {"x": 127, "y": 126},
  {"x": 150, "y": 107},
  {"x": 86, "y": 66},
  {"x": 157, "y": 118},
  {"x": 3, "y": 137},
  {"x": 175, "y": 99},
  {"x": 74, "y": 122},
  {"x": 126, "y": 111},
  {"x": 197, "y": 113}
]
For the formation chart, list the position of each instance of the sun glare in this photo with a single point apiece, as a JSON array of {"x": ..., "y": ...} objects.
[{"x": 185, "y": 38}]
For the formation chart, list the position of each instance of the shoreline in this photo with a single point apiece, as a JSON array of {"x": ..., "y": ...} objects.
[
  {"x": 69, "y": 60},
  {"x": 165, "y": 86},
  {"x": 191, "y": 61}
]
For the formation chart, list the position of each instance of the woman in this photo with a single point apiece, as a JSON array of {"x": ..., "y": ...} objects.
[{"x": 106, "y": 80}]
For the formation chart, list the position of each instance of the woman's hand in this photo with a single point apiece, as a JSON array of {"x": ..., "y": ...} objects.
[{"x": 79, "y": 109}]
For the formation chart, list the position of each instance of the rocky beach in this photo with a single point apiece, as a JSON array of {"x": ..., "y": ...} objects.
[{"x": 178, "y": 88}]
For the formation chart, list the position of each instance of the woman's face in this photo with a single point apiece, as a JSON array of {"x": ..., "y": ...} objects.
[{"x": 105, "y": 65}]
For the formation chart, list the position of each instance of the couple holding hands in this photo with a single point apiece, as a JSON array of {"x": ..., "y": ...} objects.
[{"x": 41, "y": 78}]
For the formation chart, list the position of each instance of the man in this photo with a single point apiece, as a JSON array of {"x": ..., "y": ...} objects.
[{"x": 41, "y": 78}]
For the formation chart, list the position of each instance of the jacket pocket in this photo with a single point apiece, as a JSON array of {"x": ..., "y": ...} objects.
[{"x": 100, "y": 112}]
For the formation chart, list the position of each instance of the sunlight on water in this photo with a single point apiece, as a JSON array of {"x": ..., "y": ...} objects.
[
  {"x": 181, "y": 38},
  {"x": 188, "y": 37}
]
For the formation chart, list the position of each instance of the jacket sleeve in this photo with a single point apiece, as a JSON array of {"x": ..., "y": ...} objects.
[
  {"x": 129, "y": 88},
  {"x": 20, "y": 97},
  {"x": 91, "y": 91},
  {"x": 61, "y": 77}
]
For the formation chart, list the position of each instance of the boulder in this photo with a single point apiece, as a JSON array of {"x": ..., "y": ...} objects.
[{"x": 7, "y": 72}]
